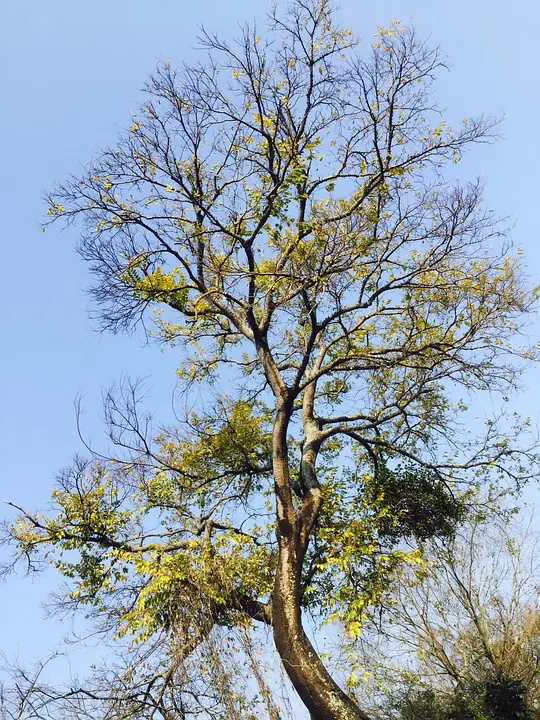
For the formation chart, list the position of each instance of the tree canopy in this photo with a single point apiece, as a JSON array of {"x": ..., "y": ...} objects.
[{"x": 283, "y": 214}]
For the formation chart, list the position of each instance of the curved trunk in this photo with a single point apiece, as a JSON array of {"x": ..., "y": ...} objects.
[{"x": 321, "y": 695}]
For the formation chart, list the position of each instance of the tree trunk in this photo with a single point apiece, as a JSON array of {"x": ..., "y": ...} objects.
[{"x": 321, "y": 695}]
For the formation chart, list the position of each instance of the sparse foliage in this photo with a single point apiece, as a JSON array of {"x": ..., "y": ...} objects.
[
  {"x": 465, "y": 638},
  {"x": 281, "y": 211}
]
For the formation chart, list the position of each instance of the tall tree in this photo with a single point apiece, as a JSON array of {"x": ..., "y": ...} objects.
[{"x": 281, "y": 208}]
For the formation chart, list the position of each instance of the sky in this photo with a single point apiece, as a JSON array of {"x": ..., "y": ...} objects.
[{"x": 71, "y": 74}]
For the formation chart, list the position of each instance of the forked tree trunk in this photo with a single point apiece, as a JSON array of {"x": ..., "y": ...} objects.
[{"x": 321, "y": 695}]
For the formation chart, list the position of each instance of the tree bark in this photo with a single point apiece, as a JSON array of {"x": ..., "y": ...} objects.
[{"x": 321, "y": 695}]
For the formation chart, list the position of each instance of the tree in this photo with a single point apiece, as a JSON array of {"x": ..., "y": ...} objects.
[
  {"x": 470, "y": 629},
  {"x": 213, "y": 685},
  {"x": 281, "y": 208}
]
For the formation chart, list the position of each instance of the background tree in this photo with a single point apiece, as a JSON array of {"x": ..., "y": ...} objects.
[
  {"x": 212, "y": 684},
  {"x": 282, "y": 210},
  {"x": 466, "y": 637}
]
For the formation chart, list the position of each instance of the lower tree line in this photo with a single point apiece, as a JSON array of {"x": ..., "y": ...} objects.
[{"x": 461, "y": 642}]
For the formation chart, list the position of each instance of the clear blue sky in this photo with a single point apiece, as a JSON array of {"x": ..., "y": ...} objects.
[{"x": 70, "y": 79}]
